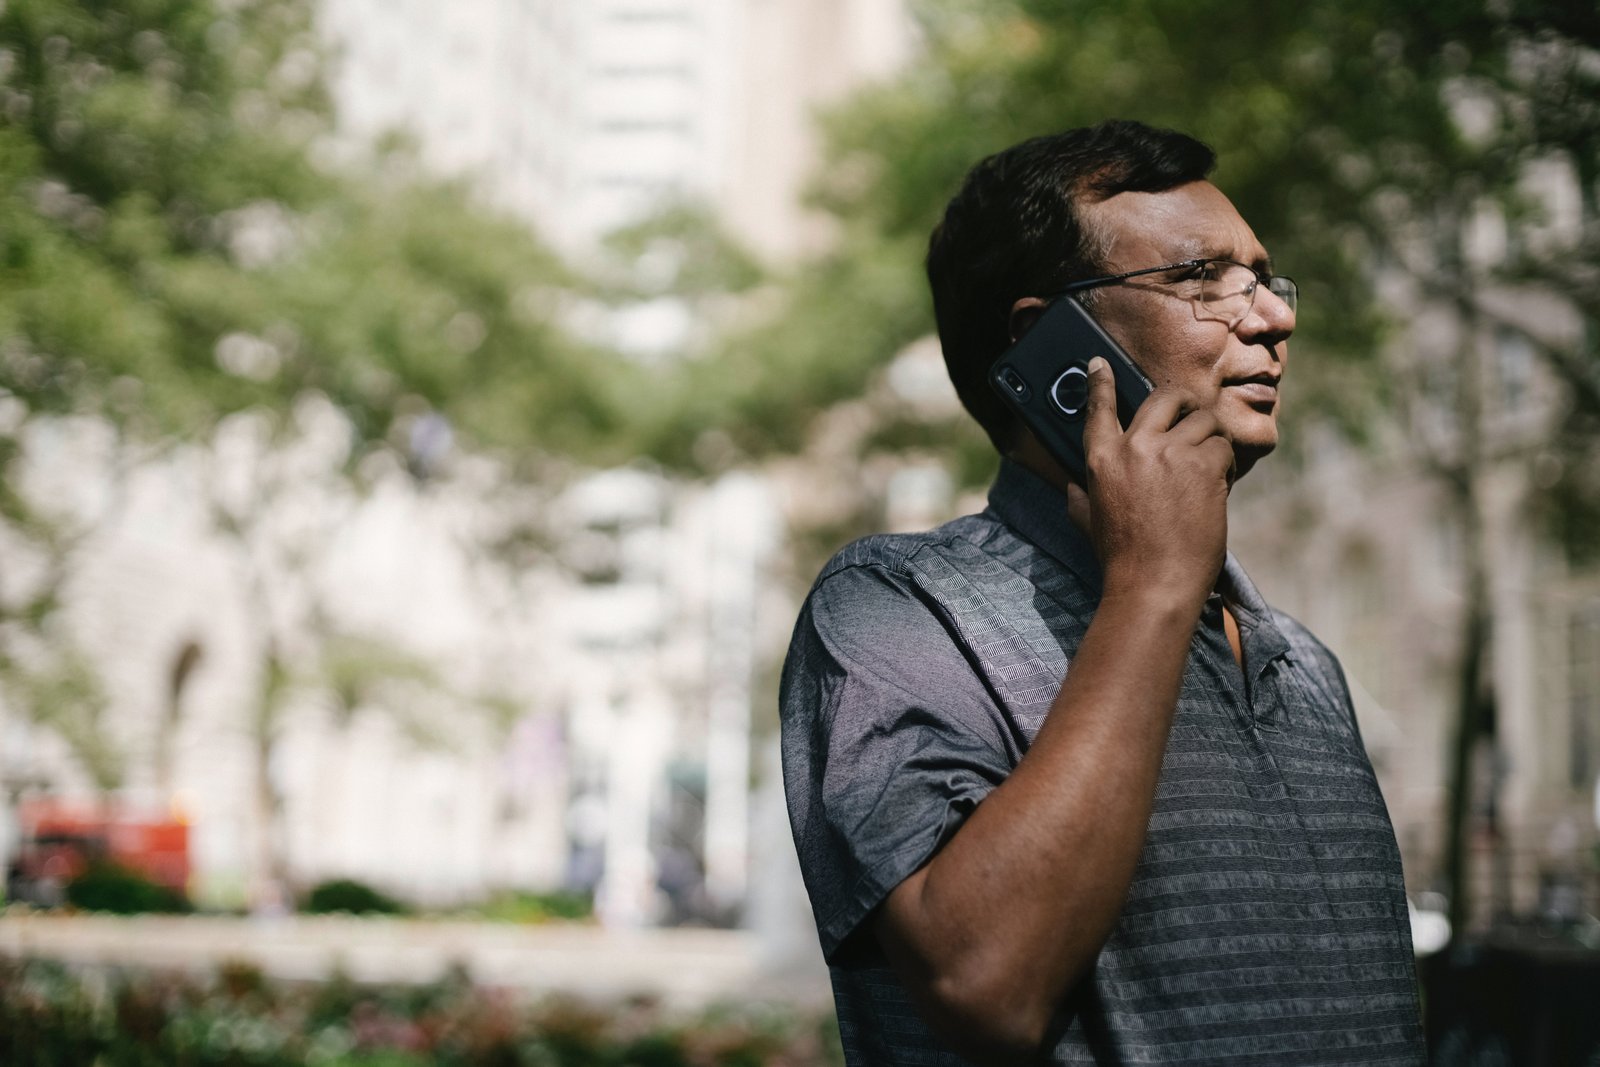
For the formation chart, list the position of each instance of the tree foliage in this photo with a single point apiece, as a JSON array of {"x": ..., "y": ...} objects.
[
  {"x": 188, "y": 251},
  {"x": 181, "y": 242}
]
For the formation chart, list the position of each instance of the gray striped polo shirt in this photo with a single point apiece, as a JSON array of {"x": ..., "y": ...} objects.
[{"x": 1266, "y": 923}]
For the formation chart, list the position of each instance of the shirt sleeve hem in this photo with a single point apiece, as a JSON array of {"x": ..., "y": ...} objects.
[{"x": 878, "y": 881}]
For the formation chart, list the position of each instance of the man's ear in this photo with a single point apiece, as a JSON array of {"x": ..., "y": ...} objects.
[{"x": 1024, "y": 313}]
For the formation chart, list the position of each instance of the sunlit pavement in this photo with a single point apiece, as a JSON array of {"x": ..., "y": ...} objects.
[{"x": 685, "y": 968}]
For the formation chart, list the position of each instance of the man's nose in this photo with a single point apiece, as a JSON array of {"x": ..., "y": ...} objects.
[{"x": 1270, "y": 320}]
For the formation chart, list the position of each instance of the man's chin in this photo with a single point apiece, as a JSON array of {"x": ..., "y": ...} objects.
[
  {"x": 1247, "y": 452},
  {"x": 1252, "y": 442}
]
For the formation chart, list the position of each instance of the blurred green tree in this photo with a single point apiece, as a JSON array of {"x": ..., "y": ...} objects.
[
  {"x": 180, "y": 243},
  {"x": 186, "y": 249},
  {"x": 65, "y": 693}
]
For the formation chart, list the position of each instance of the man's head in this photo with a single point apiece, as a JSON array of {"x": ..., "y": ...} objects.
[{"x": 1100, "y": 200}]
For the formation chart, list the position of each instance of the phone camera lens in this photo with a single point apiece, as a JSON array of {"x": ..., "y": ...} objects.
[
  {"x": 1014, "y": 382},
  {"x": 1071, "y": 391}
]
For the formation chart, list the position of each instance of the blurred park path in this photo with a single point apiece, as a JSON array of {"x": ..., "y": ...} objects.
[{"x": 684, "y": 968}]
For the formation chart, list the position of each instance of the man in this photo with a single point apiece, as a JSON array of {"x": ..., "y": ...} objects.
[{"x": 1064, "y": 788}]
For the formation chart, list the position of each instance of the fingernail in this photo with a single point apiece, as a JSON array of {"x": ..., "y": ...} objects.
[{"x": 1098, "y": 363}]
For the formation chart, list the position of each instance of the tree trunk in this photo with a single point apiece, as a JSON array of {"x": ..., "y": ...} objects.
[
  {"x": 182, "y": 671},
  {"x": 1473, "y": 697},
  {"x": 271, "y": 880},
  {"x": 1475, "y": 685}
]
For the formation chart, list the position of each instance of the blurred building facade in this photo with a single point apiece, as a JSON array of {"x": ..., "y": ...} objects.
[
  {"x": 424, "y": 713},
  {"x": 377, "y": 695},
  {"x": 582, "y": 117}
]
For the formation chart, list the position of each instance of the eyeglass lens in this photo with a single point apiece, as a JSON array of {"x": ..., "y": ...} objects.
[{"x": 1228, "y": 290}]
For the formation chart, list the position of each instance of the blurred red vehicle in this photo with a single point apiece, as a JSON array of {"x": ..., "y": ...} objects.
[{"x": 59, "y": 840}]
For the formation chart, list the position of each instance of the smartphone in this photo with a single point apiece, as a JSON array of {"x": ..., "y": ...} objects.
[{"x": 1045, "y": 379}]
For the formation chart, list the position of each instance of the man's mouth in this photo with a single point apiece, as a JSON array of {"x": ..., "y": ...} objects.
[{"x": 1257, "y": 390}]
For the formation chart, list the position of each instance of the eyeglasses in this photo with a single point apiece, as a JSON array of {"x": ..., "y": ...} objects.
[{"x": 1227, "y": 289}]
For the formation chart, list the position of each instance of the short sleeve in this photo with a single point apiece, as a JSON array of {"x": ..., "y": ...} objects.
[{"x": 889, "y": 741}]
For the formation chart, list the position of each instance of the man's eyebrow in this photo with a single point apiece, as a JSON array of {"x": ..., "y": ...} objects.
[
  {"x": 1261, "y": 264},
  {"x": 1192, "y": 250},
  {"x": 1199, "y": 248}
]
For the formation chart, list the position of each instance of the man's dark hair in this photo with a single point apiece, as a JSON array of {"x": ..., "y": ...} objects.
[{"x": 1014, "y": 230}]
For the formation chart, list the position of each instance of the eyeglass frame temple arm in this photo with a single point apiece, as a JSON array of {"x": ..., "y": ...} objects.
[{"x": 1091, "y": 283}]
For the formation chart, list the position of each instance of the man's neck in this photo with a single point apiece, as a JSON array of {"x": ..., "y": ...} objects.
[{"x": 1032, "y": 455}]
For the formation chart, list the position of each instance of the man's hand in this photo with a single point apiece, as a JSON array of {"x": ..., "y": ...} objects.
[{"x": 1158, "y": 492}]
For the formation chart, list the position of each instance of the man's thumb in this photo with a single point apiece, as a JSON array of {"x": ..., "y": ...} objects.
[{"x": 1100, "y": 415}]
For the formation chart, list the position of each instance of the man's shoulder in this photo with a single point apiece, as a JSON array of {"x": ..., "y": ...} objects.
[
  {"x": 881, "y": 609},
  {"x": 907, "y": 555},
  {"x": 973, "y": 592},
  {"x": 899, "y": 589}
]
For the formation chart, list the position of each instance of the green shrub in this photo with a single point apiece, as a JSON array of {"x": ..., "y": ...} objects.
[
  {"x": 521, "y": 907},
  {"x": 349, "y": 895},
  {"x": 109, "y": 887}
]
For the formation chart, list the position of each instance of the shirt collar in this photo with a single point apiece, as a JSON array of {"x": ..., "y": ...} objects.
[
  {"x": 1038, "y": 511},
  {"x": 1263, "y": 641}
]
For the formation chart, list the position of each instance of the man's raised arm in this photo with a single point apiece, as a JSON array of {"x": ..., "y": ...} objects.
[{"x": 992, "y": 933}]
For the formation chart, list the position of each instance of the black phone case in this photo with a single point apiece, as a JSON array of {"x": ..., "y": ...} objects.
[{"x": 1045, "y": 377}]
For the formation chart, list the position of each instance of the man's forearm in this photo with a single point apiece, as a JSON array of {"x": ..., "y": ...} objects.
[{"x": 992, "y": 933}]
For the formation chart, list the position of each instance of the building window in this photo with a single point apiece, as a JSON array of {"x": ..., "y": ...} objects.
[{"x": 1514, "y": 359}]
